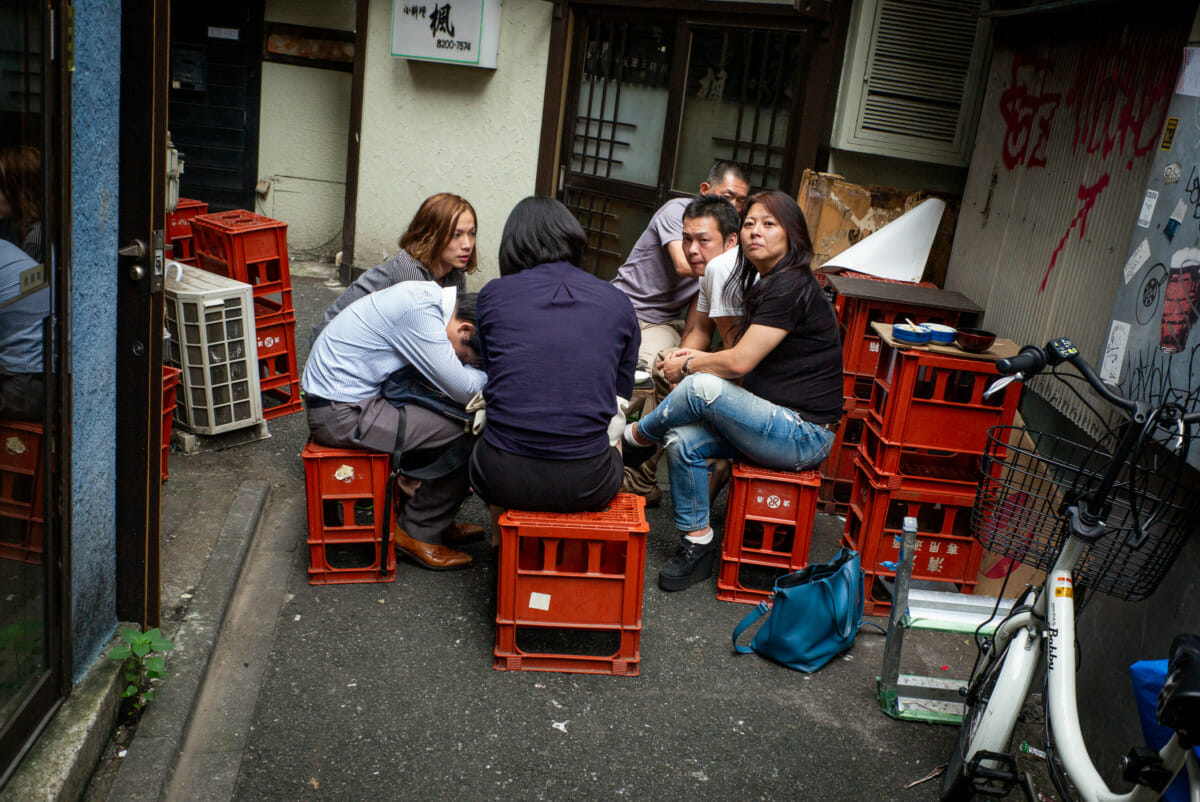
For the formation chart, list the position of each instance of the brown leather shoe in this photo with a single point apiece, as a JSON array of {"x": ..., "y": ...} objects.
[
  {"x": 434, "y": 556},
  {"x": 462, "y": 534}
]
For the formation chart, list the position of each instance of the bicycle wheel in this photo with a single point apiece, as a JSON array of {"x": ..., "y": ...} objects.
[
  {"x": 956, "y": 785},
  {"x": 990, "y": 713}
]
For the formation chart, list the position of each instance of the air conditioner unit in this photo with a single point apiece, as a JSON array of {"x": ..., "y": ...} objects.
[{"x": 913, "y": 80}]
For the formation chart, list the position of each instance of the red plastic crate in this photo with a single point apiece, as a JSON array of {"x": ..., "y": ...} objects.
[
  {"x": 278, "y": 377},
  {"x": 928, "y": 400},
  {"x": 179, "y": 222},
  {"x": 927, "y": 470},
  {"x": 21, "y": 492},
  {"x": 839, "y": 465},
  {"x": 946, "y": 550},
  {"x": 860, "y": 345},
  {"x": 171, "y": 378},
  {"x": 249, "y": 248},
  {"x": 768, "y": 529},
  {"x": 572, "y": 585},
  {"x": 345, "y": 493}
]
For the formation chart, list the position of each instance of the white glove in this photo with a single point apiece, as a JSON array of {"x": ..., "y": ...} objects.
[
  {"x": 616, "y": 426},
  {"x": 476, "y": 405}
]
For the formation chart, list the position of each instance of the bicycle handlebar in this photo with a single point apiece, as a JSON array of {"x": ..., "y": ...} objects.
[{"x": 1033, "y": 359}]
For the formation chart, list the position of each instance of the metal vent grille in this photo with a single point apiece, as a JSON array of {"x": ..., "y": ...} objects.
[{"x": 917, "y": 74}]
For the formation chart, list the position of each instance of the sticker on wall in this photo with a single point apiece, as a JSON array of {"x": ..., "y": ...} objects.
[
  {"x": 1136, "y": 259},
  {"x": 1176, "y": 219},
  {"x": 1147, "y": 213},
  {"x": 1114, "y": 352},
  {"x": 1179, "y": 301},
  {"x": 1172, "y": 173},
  {"x": 1169, "y": 133}
]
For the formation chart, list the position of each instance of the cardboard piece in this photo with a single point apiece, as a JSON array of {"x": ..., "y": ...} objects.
[
  {"x": 840, "y": 214},
  {"x": 899, "y": 250}
]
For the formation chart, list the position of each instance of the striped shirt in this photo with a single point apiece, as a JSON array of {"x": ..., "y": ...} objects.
[
  {"x": 375, "y": 336},
  {"x": 400, "y": 267}
]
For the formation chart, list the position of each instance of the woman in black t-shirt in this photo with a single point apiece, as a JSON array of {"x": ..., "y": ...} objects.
[{"x": 789, "y": 359}]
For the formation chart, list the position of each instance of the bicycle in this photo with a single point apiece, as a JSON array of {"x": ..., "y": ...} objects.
[{"x": 1092, "y": 520}]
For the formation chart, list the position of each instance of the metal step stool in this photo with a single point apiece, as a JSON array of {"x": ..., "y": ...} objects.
[{"x": 929, "y": 699}]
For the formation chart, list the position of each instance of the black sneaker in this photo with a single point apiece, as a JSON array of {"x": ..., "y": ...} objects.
[
  {"x": 692, "y": 563},
  {"x": 633, "y": 456}
]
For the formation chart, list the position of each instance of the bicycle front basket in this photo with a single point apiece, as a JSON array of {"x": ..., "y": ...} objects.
[{"x": 1029, "y": 479}]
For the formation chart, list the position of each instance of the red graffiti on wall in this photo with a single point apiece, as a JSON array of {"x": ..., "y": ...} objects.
[
  {"x": 1088, "y": 195},
  {"x": 1027, "y": 112},
  {"x": 1117, "y": 110}
]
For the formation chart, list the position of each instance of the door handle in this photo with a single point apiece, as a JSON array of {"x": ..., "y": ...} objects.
[{"x": 136, "y": 249}]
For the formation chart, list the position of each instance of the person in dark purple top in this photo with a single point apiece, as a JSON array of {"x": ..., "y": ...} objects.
[{"x": 559, "y": 347}]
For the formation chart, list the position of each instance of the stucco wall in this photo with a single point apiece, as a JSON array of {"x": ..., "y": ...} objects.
[
  {"x": 441, "y": 128},
  {"x": 94, "y": 177},
  {"x": 305, "y": 120}
]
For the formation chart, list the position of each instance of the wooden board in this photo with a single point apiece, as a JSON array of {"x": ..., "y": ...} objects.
[
  {"x": 1001, "y": 349},
  {"x": 906, "y": 294}
]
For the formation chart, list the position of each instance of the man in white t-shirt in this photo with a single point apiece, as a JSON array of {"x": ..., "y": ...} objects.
[
  {"x": 658, "y": 278},
  {"x": 709, "y": 236}
]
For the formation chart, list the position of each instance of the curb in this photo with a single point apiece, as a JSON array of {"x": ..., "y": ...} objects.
[{"x": 152, "y": 754}]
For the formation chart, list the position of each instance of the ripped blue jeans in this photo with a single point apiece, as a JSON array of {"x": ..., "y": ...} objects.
[{"x": 706, "y": 417}]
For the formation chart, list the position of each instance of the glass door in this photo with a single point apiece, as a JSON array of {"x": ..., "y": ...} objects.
[
  {"x": 654, "y": 98},
  {"x": 30, "y": 672}
]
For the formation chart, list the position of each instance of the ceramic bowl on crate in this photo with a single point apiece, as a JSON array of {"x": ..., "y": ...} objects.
[
  {"x": 974, "y": 340},
  {"x": 910, "y": 333},
  {"x": 939, "y": 333}
]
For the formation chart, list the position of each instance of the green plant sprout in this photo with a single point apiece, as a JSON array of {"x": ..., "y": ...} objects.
[{"x": 142, "y": 663}]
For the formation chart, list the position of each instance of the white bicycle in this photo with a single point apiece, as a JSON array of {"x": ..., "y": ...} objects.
[{"x": 1096, "y": 520}]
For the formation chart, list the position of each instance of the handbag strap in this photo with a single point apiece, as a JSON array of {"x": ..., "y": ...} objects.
[
  {"x": 841, "y": 611},
  {"x": 760, "y": 609}
]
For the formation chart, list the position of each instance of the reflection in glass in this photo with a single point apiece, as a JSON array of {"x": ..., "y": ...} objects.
[
  {"x": 737, "y": 104},
  {"x": 622, "y": 101},
  {"x": 25, "y": 304}
]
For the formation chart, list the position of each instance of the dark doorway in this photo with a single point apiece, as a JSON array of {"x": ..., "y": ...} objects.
[
  {"x": 654, "y": 96},
  {"x": 213, "y": 104}
]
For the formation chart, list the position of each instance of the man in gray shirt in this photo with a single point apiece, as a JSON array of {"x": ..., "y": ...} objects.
[
  {"x": 661, "y": 283},
  {"x": 414, "y": 324},
  {"x": 657, "y": 276}
]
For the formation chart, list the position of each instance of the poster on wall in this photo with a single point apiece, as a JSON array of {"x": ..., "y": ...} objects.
[
  {"x": 1153, "y": 347},
  {"x": 463, "y": 32}
]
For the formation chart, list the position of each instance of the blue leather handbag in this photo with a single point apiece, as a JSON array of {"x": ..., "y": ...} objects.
[{"x": 814, "y": 614}]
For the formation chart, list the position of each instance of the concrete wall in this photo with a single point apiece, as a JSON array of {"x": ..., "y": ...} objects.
[
  {"x": 95, "y": 149},
  {"x": 305, "y": 119},
  {"x": 442, "y": 128}
]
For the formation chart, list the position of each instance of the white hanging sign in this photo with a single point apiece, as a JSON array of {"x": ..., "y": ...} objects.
[{"x": 457, "y": 32}]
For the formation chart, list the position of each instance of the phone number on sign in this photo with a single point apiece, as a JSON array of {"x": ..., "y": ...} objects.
[{"x": 453, "y": 44}]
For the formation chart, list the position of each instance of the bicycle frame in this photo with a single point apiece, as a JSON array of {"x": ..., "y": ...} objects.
[{"x": 1019, "y": 640}]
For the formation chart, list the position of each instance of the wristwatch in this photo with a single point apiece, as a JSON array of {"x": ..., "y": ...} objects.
[{"x": 686, "y": 370}]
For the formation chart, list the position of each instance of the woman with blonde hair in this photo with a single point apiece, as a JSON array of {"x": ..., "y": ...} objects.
[{"x": 438, "y": 245}]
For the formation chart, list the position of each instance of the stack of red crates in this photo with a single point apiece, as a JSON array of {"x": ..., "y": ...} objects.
[
  {"x": 920, "y": 456},
  {"x": 179, "y": 229},
  {"x": 22, "y": 511},
  {"x": 570, "y": 589},
  {"x": 252, "y": 249},
  {"x": 171, "y": 377},
  {"x": 345, "y": 489},
  {"x": 860, "y": 354}
]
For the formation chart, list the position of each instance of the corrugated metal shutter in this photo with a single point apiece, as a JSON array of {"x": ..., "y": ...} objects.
[{"x": 1069, "y": 122}]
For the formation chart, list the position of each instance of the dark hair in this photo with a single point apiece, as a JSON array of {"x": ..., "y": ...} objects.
[
  {"x": 799, "y": 254},
  {"x": 20, "y": 183},
  {"x": 540, "y": 230},
  {"x": 721, "y": 169},
  {"x": 719, "y": 209},
  {"x": 464, "y": 310},
  {"x": 432, "y": 228}
]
